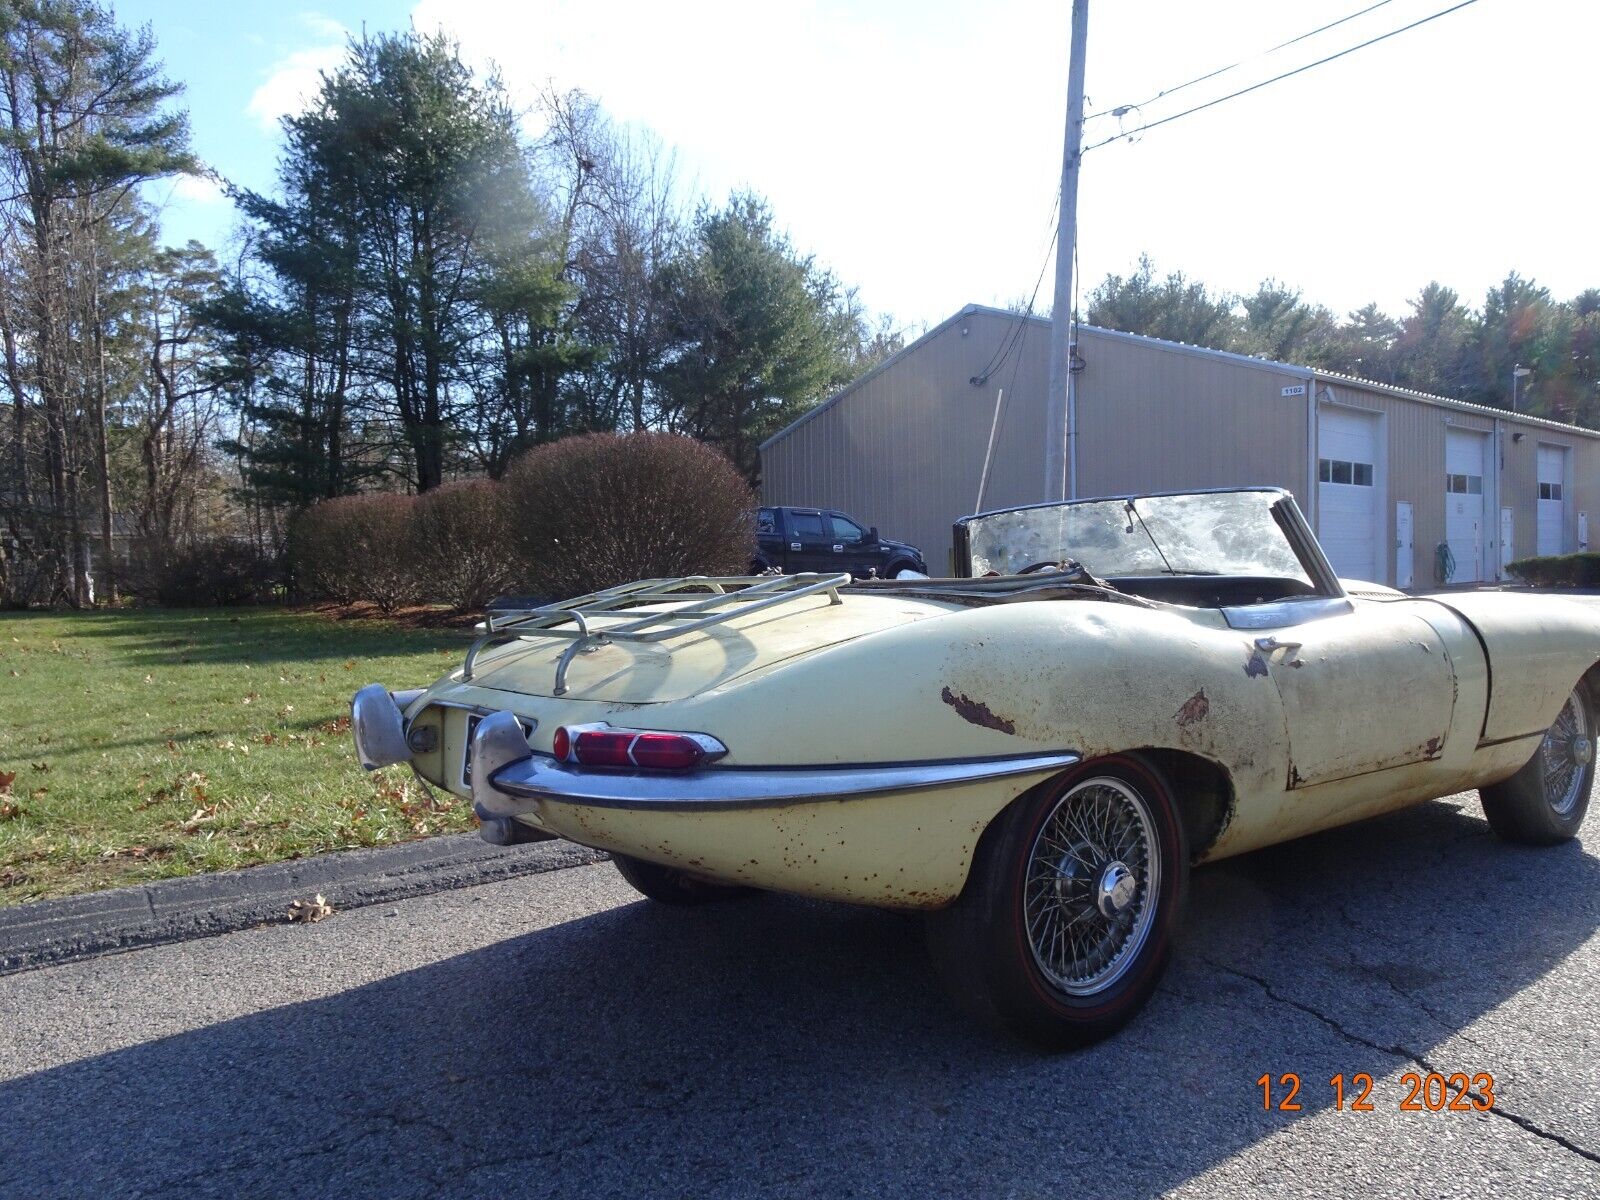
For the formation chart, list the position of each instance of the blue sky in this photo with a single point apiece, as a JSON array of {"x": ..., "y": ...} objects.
[
  {"x": 224, "y": 53},
  {"x": 914, "y": 145}
]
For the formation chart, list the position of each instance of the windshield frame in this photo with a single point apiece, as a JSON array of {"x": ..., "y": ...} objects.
[{"x": 1284, "y": 509}]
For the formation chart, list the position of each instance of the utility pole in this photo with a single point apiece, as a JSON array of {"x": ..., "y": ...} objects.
[{"x": 1061, "y": 417}]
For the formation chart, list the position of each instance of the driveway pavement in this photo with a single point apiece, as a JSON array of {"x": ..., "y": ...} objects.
[{"x": 553, "y": 1036}]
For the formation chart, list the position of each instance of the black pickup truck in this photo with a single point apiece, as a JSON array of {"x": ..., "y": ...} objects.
[{"x": 818, "y": 539}]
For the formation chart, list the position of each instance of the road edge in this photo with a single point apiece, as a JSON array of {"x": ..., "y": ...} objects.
[{"x": 45, "y": 933}]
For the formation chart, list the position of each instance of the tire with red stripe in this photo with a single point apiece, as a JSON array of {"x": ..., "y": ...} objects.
[{"x": 1068, "y": 916}]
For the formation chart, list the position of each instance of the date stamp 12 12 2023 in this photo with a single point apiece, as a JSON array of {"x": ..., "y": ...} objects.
[{"x": 1423, "y": 1092}]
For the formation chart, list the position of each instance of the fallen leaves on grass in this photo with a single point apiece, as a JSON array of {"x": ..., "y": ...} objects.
[
  {"x": 206, "y": 812},
  {"x": 137, "y": 852},
  {"x": 7, "y": 778},
  {"x": 10, "y": 810},
  {"x": 336, "y": 726},
  {"x": 190, "y": 786},
  {"x": 311, "y": 910},
  {"x": 41, "y": 767}
]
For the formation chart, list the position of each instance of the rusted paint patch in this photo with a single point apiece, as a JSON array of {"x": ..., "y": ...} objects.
[
  {"x": 1194, "y": 709},
  {"x": 977, "y": 712},
  {"x": 1256, "y": 665},
  {"x": 1432, "y": 747}
]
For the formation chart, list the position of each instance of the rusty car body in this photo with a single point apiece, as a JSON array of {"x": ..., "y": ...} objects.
[{"x": 1035, "y": 752}]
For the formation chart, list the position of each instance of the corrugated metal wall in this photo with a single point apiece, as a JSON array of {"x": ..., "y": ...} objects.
[
  {"x": 902, "y": 448},
  {"x": 1154, "y": 418},
  {"x": 1415, "y": 451}
]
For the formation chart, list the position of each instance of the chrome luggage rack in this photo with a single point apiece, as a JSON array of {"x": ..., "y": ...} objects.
[{"x": 574, "y": 619}]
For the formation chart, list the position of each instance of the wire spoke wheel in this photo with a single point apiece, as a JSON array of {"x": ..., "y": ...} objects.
[
  {"x": 1093, "y": 878},
  {"x": 1544, "y": 803},
  {"x": 1565, "y": 754}
]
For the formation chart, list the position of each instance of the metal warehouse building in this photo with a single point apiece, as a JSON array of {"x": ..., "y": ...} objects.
[{"x": 1385, "y": 475}]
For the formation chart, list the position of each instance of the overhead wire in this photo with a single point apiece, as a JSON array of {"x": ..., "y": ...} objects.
[
  {"x": 1172, "y": 91},
  {"x": 1018, "y": 330},
  {"x": 1128, "y": 133}
]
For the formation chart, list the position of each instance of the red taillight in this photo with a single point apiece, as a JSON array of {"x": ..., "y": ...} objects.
[
  {"x": 667, "y": 751},
  {"x": 603, "y": 746}
]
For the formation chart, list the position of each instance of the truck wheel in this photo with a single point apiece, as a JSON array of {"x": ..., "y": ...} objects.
[
  {"x": 1545, "y": 802},
  {"x": 668, "y": 885},
  {"x": 895, "y": 568},
  {"x": 1068, "y": 916}
]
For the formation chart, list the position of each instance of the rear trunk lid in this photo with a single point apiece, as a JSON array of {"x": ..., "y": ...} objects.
[{"x": 692, "y": 663}]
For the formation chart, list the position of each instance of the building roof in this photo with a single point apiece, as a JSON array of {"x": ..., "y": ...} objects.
[{"x": 1246, "y": 360}]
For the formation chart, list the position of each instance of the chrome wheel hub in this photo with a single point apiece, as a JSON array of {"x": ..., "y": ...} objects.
[
  {"x": 1566, "y": 753},
  {"x": 1116, "y": 889},
  {"x": 1093, "y": 875}
]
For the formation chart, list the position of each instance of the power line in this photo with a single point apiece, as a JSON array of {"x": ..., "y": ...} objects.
[
  {"x": 1017, "y": 332},
  {"x": 1286, "y": 75},
  {"x": 1120, "y": 109}
]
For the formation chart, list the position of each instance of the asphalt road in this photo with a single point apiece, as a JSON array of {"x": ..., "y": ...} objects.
[{"x": 554, "y": 1036}]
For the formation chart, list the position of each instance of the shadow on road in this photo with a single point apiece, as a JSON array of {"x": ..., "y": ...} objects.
[{"x": 778, "y": 1046}]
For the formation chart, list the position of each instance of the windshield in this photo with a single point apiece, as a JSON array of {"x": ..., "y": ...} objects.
[{"x": 1210, "y": 533}]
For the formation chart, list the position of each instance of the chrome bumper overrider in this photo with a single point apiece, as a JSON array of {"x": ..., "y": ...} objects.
[
  {"x": 506, "y": 776},
  {"x": 378, "y": 726}
]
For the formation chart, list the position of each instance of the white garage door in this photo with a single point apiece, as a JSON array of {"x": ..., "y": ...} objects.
[
  {"x": 1552, "y": 500},
  {"x": 1464, "y": 526},
  {"x": 1347, "y": 505}
]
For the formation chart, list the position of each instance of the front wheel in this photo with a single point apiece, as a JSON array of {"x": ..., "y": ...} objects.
[
  {"x": 1545, "y": 802},
  {"x": 1069, "y": 913}
]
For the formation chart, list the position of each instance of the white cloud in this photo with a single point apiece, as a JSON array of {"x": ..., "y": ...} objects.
[
  {"x": 324, "y": 27},
  {"x": 294, "y": 80},
  {"x": 198, "y": 189}
]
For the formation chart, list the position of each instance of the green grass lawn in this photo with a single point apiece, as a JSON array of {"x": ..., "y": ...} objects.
[{"x": 150, "y": 743}]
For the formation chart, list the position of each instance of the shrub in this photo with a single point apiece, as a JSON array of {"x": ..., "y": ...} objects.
[
  {"x": 463, "y": 544},
  {"x": 359, "y": 548},
  {"x": 594, "y": 511},
  {"x": 1559, "y": 570},
  {"x": 214, "y": 572}
]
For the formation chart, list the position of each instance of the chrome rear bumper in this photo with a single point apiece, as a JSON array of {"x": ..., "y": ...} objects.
[{"x": 507, "y": 776}]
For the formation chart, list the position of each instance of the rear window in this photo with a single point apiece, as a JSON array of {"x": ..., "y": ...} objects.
[
  {"x": 766, "y": 521},
  {"x": 806, "y": 525}
]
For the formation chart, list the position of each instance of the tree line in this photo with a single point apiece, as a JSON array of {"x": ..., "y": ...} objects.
[
  {"x": 1440, "y": 345},
  {"x": 425, "y": 294}
]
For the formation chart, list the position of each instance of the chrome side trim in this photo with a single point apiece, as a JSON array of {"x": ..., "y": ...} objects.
[
  {"x": 541, "y": 778},
  {"x": 1279, "y": 614}
]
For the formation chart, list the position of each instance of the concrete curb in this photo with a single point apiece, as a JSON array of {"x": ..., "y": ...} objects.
[{"x": 48, "y": 932}]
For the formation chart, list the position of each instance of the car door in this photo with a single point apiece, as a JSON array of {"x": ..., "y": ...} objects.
[
  {"x": 769, "y": 537},
  {"x": 1364, "y": 691},
  {"x": 851, "y": 550},
  {"x": 809, "y": 541}
]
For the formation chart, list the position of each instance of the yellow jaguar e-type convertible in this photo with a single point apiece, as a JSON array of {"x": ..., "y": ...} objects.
[{"x": 1035, "y": 753}]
